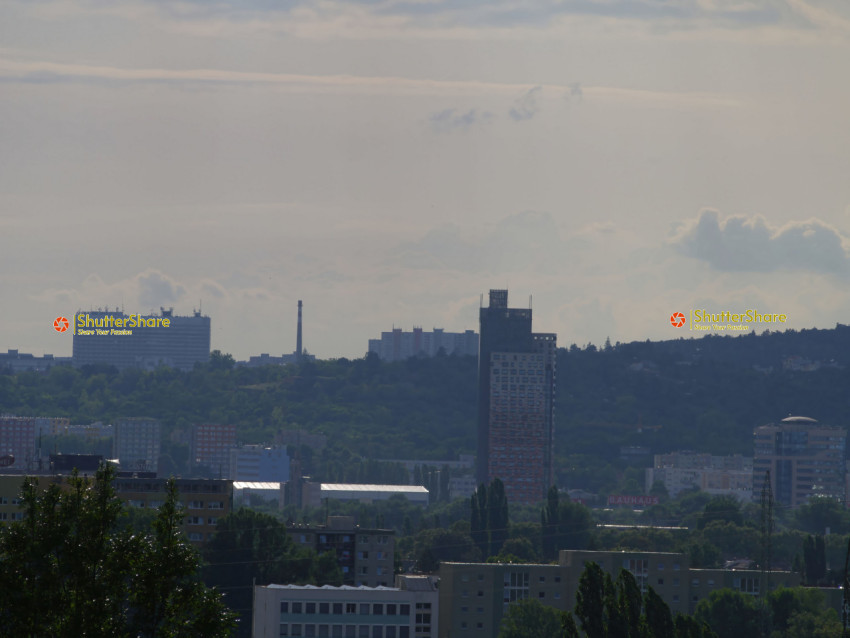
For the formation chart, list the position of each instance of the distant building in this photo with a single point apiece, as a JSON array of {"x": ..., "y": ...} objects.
[
  {"x": 516, "y": 391},
  {"x": 136, "y": 444},
  {"x": 205, "y": 500},
  {"x": 805, "y": 459},
  {"x": 15, "y": 362},
  {"x": 67, "y": 463},
  {"x": 718, "y": 475},
  {"x": 17, "y": 442},
  {"x": 314, "y": 493},
  {"x": 141, "y": 341},
  {"x": 210, "y": 446},
  {"x": 259, "y": 464},
  {"x": 475, "y": 596},
  {"x": 307, "y": 610},
  {"x": 398, "y": 345},
  {"x": 365, "y": 556}
]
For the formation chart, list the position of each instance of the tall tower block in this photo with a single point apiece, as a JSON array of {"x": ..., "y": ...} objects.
[{"x": 516, "y": 389}]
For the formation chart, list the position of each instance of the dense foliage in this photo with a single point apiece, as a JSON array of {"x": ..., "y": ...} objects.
[{"x": 72, "y": 567}]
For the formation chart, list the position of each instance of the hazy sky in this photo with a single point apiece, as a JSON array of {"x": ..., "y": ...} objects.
[{"x": 389, "y": 161}]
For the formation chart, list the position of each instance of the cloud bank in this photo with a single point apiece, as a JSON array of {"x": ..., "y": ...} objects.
[{"x": 751, "y": 244}]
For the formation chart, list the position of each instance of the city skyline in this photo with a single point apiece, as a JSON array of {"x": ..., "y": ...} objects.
[{"x": 619, "y": 161}]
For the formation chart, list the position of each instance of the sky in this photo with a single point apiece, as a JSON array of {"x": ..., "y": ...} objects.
[{"x": 390, "y": 161}]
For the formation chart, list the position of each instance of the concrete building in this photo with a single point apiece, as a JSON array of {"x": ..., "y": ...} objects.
[
  {"x": 398, "y": 345},
  {"x": 209, "y": 448},
  {"x": 15, "y": 362},
  {"x": 516, "y": 390},
  {"x": 338, "y": 612},
  {"x": 805, "y": 459},
  {"x": 205, "y": 500},
  {"x": 136, "y": 444},
  {"x": 474, "y": 596},
  {"x": 716, "y": 475},
  {"x": 365, "y": 555},
  {"x": 312, "y": 494},
  {"x": 17, "y": 443},
  {"x": 258, "y": 463},
  {"x": 425, "y": 602},
  {"x": 140, "y": 341}
]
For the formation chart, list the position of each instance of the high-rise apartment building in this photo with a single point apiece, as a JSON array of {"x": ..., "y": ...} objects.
[
  {"x": 209, "y": 448},
  {"x": 141, "y": 341},
  {"x": 516, "y": 391},
  {"x": 805, "y": 459},
  {"x": 136, "y": 444},
  {"x": 399, "y": 345},
  {"x": 17, "y": 442}
]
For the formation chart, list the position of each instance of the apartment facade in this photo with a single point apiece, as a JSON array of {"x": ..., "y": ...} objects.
[
  {"x": 475, "y": 596},
  {"x": 399, "y": 345},
  {"x": 516, "y": 390},
  {"x": 716, "y": 475},
  {"x": 17, "y": 442},
  {"x": 136, "y": 444},
  {"x": 209, "y": 447},
  {"x": 366, "y": 556},
  {"x": 805, "y": 459},
  {"x": 333, "y": 612}
]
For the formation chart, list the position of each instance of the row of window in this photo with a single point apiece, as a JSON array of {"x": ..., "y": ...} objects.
[
  {"x": 11, "y": 516},
  {"x": 376, "y": 609},
  {"x": 344, "y": 631}
]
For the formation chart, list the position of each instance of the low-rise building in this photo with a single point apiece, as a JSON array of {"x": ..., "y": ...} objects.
[
  {"x": 717, "y": 475},
  {"x": 475, "y": 596},
  {"x": 333, "y": 612},
  {"x": 366, "y": 556}
]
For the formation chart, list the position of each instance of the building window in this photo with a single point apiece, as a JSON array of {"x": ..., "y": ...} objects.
[
  {"x": 296, "y": 608},
  {"x": 311, "y": 608},
  {"x": 378, "y": 609},
  {"x": 390, "y": 609},
  {"x": 284, "y": 607}
]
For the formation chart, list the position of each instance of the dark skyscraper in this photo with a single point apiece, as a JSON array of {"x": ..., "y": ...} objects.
[{"x": 516, "y": 389}]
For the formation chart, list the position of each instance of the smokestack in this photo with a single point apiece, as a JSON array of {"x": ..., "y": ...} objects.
[{"x": 298, "y": 338}]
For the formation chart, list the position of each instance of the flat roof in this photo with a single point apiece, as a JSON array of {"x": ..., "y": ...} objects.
[
  {"x": 255, "y": 485},
  {"x": 355, "y": 487}
]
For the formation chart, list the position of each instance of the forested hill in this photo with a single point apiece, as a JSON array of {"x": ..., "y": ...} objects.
[{"x": 701, "y": 394}]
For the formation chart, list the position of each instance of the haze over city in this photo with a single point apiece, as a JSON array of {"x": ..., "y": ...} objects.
[{"x": 390, "y": 162}]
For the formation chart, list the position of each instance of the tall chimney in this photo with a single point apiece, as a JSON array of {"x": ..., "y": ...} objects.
[{"x": 298, "y": 338}]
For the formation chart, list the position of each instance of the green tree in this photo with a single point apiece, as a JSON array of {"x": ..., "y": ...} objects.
[
  {"x": 168, "y": 597},
  {"x": 590, "y": 601},
  {"x": 721, "y": 508},
  {"x": 70, "y": 568},
  {"x": 814, "y": 559},
  {"x": 529, "y": 618},
  {"x": 251, "y": 546},
  {"x": 659, "y": 621},
  {"x": 497, "y": 520},
  {"x": 730, "y": 614}
]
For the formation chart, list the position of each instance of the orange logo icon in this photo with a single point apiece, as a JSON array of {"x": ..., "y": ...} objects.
[
  {"x": 60, "y": 324},
  {"x": 677, "y": 319}
]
